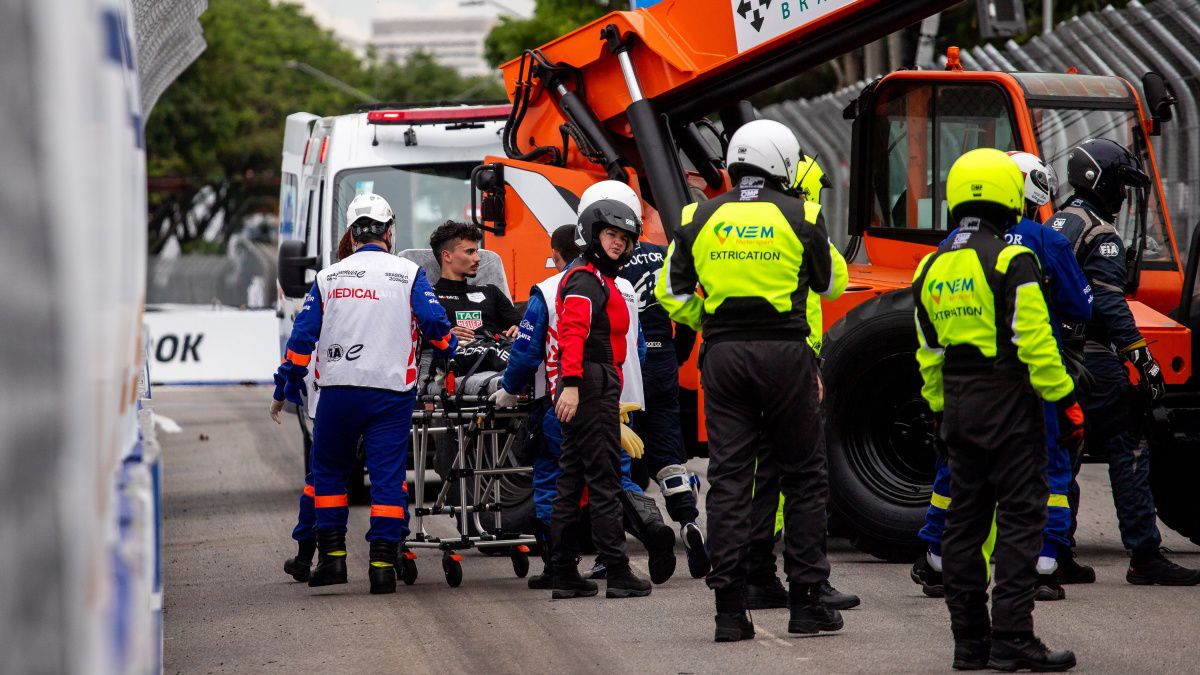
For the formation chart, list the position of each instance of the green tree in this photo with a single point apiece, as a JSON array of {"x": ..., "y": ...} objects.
[
  {"x": 422, "y": 78},
  {"x": 216, "y": 134},
  {"x": 551, "y": 18}
]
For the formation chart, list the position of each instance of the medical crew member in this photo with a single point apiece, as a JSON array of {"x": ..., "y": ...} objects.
[
  {"x": 1101, "y": 171},
  {"x": 593, "y": 329},
  {"x": 1069, "y": 298},
  {"x": 299, "y": 566},
  {"x": 763, "y": 588},
  {"x": 756, "y": 252},
  {"x": 986, "y": 354},
  {"x": 533, "y": 362},
  {"x": 362, "y": 311}
]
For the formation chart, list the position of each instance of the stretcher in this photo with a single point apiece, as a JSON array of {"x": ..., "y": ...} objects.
[{"x": 485, "y": 439}]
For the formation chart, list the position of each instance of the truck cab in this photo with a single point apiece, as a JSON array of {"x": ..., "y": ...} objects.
[{"x": 908, "y": 129}]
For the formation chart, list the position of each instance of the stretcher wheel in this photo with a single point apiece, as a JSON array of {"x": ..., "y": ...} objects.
[
  {"x": 520, "y": 561},
  {"x": 452, "y": 566},
  {"x": 408, "y": 569}
]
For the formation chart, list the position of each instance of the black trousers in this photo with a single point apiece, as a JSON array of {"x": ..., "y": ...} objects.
[
  {"x": 590, "y": 456},
  {"x": 756, "y": 393},
  {"x": 993, "y": 429},
  {"x": 1114, "y": 425},
  {"x": 760, "y": 552}
]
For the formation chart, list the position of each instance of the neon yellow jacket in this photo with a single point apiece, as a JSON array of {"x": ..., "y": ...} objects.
[
  {"x": 980, "y": 307},
  {"x": 816, "y": 317},
  {"x": 755, "y": 252}
]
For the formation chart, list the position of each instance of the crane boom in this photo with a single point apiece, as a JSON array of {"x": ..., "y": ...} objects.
[{"x": 625, "y": 86}]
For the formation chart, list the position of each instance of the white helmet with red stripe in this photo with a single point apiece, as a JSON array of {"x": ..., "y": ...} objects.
[
  {"x": 607, "y": 189},
  {"x": 1040, "y": 182}
]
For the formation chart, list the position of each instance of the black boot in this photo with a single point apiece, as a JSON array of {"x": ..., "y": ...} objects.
[
  {"x": 698, "y": 562},
  {"x": 568, "y": 583},
  {"x": 300, "y": 567},
  {"x": 808, "y": 614},
  {"x": 545, "y": 580},
  {"x": 1049, "y": 588},
  {"x": 384, "y": 557},
  {"x": 835, "y": 599},
  {"x": 763, "y": 589},
  {"x": 331, "y": 561},
  {"x": 1010, "y": 653},
  {"x": 1151, "y": 567},
  {"x": 644, "y": 521},
  {"x": 766, "y": 593},
  {"x": 733, "y": 621},
  {"x": 623, "y": 584},
  {"x": 929, "y": 579},
  {"x": 1071, "y": 572},
  {"x": 972, "y": 653}
]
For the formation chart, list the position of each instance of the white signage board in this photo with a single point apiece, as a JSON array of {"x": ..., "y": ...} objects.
[
  {"x": 756, "y": 21},
  {"x": 212, "y": 346}
]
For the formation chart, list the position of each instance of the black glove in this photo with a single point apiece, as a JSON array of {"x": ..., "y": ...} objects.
[
  {"x": 1070, "y": 424},
  {"x": 1151, "y": 379}
]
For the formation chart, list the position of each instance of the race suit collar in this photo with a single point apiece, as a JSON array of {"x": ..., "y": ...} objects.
[
  {"x": 1085, "y": 203},
  {"x": 451, "y": 285},
  {"x": 371, "y": 247}
]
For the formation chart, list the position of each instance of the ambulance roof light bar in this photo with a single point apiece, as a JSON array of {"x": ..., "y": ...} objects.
[{"x": 439, "y": 115}]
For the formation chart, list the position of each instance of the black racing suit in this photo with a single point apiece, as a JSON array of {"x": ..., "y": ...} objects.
[
  {"x": 484, "y": 308},
  {"x": 1109, "y": 400},
  {"x": 658, "y": 425},
  {"x": 593, "y": 322}
]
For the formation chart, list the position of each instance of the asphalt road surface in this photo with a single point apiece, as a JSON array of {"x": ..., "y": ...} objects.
[{"x": 232, "y": 478}]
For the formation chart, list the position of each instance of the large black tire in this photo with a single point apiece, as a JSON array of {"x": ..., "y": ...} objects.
[
  {"x": 878, "y": 428},
  {"x": 1174, "y": 466}
]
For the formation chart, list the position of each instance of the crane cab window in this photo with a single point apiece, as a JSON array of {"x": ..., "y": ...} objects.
[{"x": 918, "y": 131}]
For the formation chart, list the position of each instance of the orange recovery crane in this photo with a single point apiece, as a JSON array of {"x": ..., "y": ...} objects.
[{"x": 632, "y": 97}]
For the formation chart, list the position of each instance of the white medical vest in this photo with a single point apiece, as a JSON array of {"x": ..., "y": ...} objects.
[{"x": 368, "y": 331}]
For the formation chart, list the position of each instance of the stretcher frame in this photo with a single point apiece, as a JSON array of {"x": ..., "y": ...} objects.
[{"x": 485, "y": 437}]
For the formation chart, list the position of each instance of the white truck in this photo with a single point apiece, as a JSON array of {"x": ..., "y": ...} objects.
[{"x": 419, "y": 158}]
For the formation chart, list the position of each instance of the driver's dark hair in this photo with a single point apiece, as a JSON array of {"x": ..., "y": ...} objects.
[
  {"x": 449, "y": 232},
  {"x": 563, "y": 241}
]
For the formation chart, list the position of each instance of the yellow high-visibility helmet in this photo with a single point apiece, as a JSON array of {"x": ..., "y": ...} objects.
[
  {"x": 986, "y": 175},
  {"x": 810, "y": 179}
]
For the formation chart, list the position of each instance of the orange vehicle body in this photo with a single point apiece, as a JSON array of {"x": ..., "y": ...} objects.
[{"x": 682, "y": 47}]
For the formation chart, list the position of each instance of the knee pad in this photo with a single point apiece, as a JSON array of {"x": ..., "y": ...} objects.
[{"x": 676, "y": 479}]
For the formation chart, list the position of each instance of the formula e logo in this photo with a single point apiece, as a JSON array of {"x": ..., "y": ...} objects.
[
  {"x": 1109, "y": 250},
  {"x": 353, "y": 274},
  {"x": 954, "y": 287},
  {"x": 335, "y": 352},
  {"x": 744, "y": 232}
]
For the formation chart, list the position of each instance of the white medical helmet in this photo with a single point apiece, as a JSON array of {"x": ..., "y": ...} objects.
[
  {"x": 767, "y": 145},
  {"x": 369, "y": 205}
]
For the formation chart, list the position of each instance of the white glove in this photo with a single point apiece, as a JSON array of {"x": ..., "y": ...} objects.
[{"x": 503, "y": 399}]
